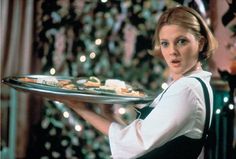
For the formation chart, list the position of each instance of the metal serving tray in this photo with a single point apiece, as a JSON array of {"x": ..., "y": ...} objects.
[{"x": 84, "y": 95}]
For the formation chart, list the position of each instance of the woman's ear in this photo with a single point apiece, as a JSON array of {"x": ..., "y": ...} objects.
[
  {"x": 156, "y": 52},
  {"x": 202, "y": 42}
]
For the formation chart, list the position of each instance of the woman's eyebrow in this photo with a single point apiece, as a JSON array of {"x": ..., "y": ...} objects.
[
  {"x": 181, "y": 36},
  {"x": 163, "y": 40}
]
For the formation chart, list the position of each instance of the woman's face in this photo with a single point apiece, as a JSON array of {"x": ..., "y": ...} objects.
[{"x": 180, "y": 49}]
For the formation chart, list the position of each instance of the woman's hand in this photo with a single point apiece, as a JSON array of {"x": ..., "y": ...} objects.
[{"x": 75, "y": 105}]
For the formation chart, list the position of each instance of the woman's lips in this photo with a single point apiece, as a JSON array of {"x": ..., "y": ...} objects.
[{"x": 175, "y": 62}]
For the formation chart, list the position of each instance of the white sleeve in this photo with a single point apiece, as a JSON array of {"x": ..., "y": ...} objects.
[{"x": 165, "y": 122}]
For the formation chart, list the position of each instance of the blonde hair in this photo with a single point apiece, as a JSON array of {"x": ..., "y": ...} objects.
[{"x": 193, "y": 22}]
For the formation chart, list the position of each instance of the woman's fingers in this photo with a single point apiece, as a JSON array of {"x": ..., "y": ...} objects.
[{"x": 69, "y": 103}]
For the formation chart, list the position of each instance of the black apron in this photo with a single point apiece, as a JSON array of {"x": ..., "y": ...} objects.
[{"x": 181, "y": 147}]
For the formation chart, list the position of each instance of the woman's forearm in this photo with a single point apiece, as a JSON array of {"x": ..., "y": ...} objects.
[{"x": 99, "y": 122}]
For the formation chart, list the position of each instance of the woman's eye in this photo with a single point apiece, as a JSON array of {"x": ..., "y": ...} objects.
[
  {"x": 164, "y": 44},
  {"x": 181, "y": 42}
]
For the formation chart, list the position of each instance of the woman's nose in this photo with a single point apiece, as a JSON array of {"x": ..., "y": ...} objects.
[{"x": 173, "y": 50}]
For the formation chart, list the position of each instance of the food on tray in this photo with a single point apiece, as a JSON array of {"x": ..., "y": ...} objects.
[
  {"x": 111, "y": 86},
  {"x": 115, "y": 83},
  {"x": 66, "y": 84},
  {"x": 116, "y": 86},
  {"x": 26, "y": 79},
  {"x": 93, "y": 82},
  {"x": 121, "y": 88},
  {"x": 51, "y": 81}
]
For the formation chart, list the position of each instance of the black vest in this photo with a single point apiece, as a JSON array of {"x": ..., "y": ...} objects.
[{"x": 181, "y": 147}]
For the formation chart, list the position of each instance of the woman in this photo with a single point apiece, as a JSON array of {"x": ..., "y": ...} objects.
[{"x": 174, "y": 128}]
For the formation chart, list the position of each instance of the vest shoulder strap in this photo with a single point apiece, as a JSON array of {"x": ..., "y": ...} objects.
[{"x": 207, "y": 106}]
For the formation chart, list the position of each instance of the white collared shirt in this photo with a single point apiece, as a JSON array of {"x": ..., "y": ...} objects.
[{"x": 180, "y": 111}]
